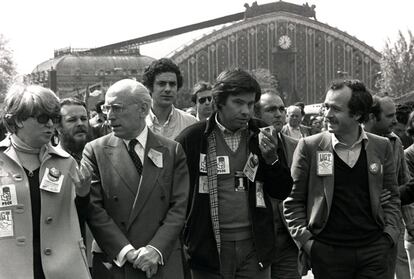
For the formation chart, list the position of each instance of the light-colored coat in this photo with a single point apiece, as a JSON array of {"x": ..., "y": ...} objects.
[
  {"x": 59, "y": 225},
  {"x": 158, "y": 216},
  {"x": 308, "y": 206}
]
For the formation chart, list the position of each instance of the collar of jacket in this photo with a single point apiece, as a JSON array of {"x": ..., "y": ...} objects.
[{"x": 253, "y": 125}]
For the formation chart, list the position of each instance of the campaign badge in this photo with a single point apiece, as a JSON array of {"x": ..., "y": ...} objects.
[
  {"x": 324, "y": 163},
  {"x": 6, "y": 223},
  {"x": 240, "y": 182},
  {"x": 203, "y": 184},
  {"x": 156, "y": 157},
  {"x": 251, "y": 166},
  {"x": 203, "y": 163},
  {"x": 374, "y": 168},
  {"x": 223, "y": 165},
  {"x": 260, "y": 202},
  {"x": 8, "y": 195},
  {"x": 52, "y": 180}
]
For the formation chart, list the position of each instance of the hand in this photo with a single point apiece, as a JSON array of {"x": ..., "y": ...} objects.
[
  {"x": 308, "y": 246},
  {"x": 82, "y": 180},
  {"x": 268, "y": 146},
  {"x": 385, "y": 197},
  {"x": 131, "y": 255},
  {"x": 147, "y": 260}
]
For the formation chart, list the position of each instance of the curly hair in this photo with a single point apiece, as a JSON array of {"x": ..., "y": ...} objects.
[{"x": 160, "y": 66}]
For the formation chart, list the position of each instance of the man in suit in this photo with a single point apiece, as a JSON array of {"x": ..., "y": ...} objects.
[
  {"x": 334, "y": 211},
  {"x": 271, "y": 109},
  {"x": 293, "y": 127},
  {"x": 139, "y": 191}
]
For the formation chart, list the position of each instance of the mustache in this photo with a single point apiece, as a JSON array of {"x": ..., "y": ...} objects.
[{"x": 81, "y": 130}]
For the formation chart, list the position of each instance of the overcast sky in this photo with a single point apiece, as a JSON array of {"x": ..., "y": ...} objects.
[{"x": 36, "y": 28}]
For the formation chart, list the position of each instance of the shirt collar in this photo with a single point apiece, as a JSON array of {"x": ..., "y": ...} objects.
[
  {"x": 141, "y": 138},
  {"x": 154, "y": 118},
  {"x": 362, "y": 137},
  {"x": 224, "y": 129}
]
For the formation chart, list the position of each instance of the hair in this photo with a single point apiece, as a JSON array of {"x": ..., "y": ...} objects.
[
  {"x": 301, "y": 105},
  {"x": 72, "y": 102},
  {"x": 289, "y": 109},
  {"x": 160, "y": 66},
  {"x": 24, "y": 101},
  {"x": 98, "y": 106},
  {"x": 361, "y": 99},
  {"x": 200, "y": 86},
  {"x": 402, "y": 113},
  {"x": 233, "y": 82},
  {"x": 410, "y": 125},
  {"x": 376, "y": 107}
]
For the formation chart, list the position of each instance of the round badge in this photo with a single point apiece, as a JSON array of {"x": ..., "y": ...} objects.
[
  {"x": 374, "y": 168},
  {"x": 254, "y": 161},
  {"x": 17, "y": 177},
  {"x": 54, "y": 174}
]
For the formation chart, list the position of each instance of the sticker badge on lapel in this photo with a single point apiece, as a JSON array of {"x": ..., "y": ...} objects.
[
  {"x": 324, "y": 163},
  {"x": 260, "y": 202},
  {"x": 156, "y": 157},
  {"x": 250, "y": 169},
  {"x": 223, "y": 165},
  {"x": 52, "y": 180},
  {"x": 8, "y": 195},
  {"x": 203, "y": 163},
  {"x": 374, "y": 168},
  {"x": 6, "y": 223},
  {"x": 203, "y": 184}
]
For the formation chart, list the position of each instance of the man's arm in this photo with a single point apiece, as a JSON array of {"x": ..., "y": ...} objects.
[
  {"x": 295, "y": 206},
  {"x": 168, "y": 233},
  {"x": 109, "y": 237},
  {"x": 392, "y": 208}
]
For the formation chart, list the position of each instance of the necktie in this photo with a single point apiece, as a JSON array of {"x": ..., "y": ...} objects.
[{"x": 134, "y": 156}]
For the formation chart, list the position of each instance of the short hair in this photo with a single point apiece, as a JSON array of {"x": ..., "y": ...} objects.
[
  {"x": 200, "y": 86},
  {"x": 98, "y": 106},
  {"x": 410, "y": 126},
  {"x": 24, "y": 101},
  {"x": 361, "y": 99},
  {"x": 234, "y": 82},
  {"x": 293, "y": 107},
  {"x": 72, "y": 102},
  {"x": 376, "y": 107},
  {"x": 301, "y": 105},
  {"x": 160, "y": 66},
  {"x": 402, "y": 113}
]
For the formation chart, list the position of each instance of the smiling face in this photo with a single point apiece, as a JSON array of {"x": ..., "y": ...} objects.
[
  {"x": 293, "y": 116},
  {"x": 164, "y": 91},
  {"x": 237, "y": 110}
]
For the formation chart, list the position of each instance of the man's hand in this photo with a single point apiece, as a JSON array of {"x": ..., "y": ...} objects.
[
  {"x": 82, "y": 179},
  {"x": 385, "y": 197},
  {"x": 131, "y": 255},
  {"x": 268, "y": 146},
  {"x": 147, "y": 260}
]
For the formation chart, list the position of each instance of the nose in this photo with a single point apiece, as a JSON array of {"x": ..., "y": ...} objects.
[
  {"x": 167, "y": 87},
  {"x": 246, "y": 110},
  {"x": 110, "y": 115},
  {"x": 50, "y": 123}
]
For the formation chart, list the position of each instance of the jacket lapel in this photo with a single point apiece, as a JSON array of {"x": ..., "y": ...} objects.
[
  {"x": 149, "y": 177},
  {"x": 374, "y": 177},
  {"x": 328, "y": 181},
  {"x": 121, "y": 161}
]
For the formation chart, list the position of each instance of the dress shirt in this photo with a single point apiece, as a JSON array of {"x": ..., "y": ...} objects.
[
  {"x": 295, "y": 132},
  {"x": 232, "y": 139},
  {"x": 140, "y": 150},
  {"x": 177, "y": 121},
  {"x": 350, "y": 154}
]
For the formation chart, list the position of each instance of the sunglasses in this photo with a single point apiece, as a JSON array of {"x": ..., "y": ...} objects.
[
  {"x": 44, "y": 118},
  {"x": 202, "y": 100}
]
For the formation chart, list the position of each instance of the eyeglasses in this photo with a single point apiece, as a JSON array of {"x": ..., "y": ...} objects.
[
  {"x": 44, "y": 118},
  {"x": 115, "y": 108},
  {"x": 202, "y": 100}
]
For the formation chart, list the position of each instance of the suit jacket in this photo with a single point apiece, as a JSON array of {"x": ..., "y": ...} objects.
[
  {"x": 159, "y": 212},
  {"x": 308, "y": 206},
  {"x": 305, "y": 131}
]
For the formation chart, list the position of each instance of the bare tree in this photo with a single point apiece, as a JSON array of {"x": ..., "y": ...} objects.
[
  {"x": 7, "y": 66},
  {"x": 397, "y": 66}
]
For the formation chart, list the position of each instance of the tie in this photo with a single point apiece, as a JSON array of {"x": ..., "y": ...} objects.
[{"x": 134, "y": 156}]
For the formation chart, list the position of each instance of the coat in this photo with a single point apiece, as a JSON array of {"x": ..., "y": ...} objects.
[
  {"x": 62, "y": 248},
  {"x": 308, "y": 206},
  {"x": 158, "y": 216}
]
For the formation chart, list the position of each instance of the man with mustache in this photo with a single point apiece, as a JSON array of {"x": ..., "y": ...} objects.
[
  {"x": 334, "y": 212},
  {"x": 271, "y": 109},
  {"x": 163, "y": 79},
  {"x": 230, "y": 231}
]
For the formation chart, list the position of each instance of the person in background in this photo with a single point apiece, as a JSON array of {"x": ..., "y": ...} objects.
[
  {"x": 99, "y": 124},
  {"x": 271, "y": 110},
  {"x": 293, "y": 127},
  {"x": 316, "y": 124},
  {"x": 163, "y": 79},
  {"x": 334, "y": 211},
  {"x": 139, "y": 192},
  {"x": 229, "y": 231},
  {"x": 381, "y": 121},
  {"x": 203, "y": 100},
  {"x": 400, "y": 128},
  {"x": 39, "y": 229}
]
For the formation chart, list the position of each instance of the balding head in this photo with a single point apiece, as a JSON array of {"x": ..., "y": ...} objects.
[
  {"x": 130, "y": 89},
  {"x": 271, "y": 109},
  {"x": 293, "y": 116}
]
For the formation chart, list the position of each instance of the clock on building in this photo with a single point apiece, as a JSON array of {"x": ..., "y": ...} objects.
[{"x": 285, "y": 42}]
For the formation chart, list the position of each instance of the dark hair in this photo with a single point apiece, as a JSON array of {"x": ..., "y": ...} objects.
[
  {"x": 72, "y": 101},
  {"x": 160, "y": 66},
  {"x": 410, "y": 126},
  {"x": 402, "y": 113},
  {"x": 301, "y": 105},
  {"x": 98, "y": 106},
  {"x": 234, "y": 82},
  {"x": 200, "y": 86},
  {"x": 361, "y": 99},
  {"x": 376, "y": 107}
]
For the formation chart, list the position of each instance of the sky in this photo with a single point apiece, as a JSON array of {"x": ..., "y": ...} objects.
[{"x": 36, "y": 28}]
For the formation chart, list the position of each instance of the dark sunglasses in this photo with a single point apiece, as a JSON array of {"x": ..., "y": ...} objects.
[
  {"x": 44, "y": 118},
  {"x": 202, "y": 100}
]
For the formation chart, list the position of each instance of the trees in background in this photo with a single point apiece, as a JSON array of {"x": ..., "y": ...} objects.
[
  {"x": 7, "y": 66},
  {"x": 397, "y": 66}
]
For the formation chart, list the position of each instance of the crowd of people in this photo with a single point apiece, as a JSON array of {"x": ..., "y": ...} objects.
[{"x": 237, "y": 187}]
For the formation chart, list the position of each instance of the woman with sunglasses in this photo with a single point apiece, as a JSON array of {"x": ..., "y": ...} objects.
[{"x": 40, "y": 187}]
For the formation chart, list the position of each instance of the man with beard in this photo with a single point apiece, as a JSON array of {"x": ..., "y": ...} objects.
[
  {"x": 74, "y": 127},
  {"x": 271, "y": 110}
]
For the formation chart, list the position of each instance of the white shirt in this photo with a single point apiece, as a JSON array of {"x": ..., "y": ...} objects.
[{"x": 350, "y": 154}]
